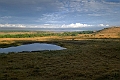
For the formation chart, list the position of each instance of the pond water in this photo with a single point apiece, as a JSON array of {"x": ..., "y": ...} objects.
[{"x": 31, "y": 47}]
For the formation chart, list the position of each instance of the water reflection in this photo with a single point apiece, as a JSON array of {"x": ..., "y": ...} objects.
[{"x": 31, "y": 47}]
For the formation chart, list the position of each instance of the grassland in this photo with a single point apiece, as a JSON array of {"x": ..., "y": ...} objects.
[{"x": 87, "y": 57}]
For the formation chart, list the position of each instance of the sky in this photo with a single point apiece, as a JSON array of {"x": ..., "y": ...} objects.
[{"x": 59, "y": 13}]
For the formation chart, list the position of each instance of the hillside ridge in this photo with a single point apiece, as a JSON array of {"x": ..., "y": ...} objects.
[{"x": 111, "y": 32}]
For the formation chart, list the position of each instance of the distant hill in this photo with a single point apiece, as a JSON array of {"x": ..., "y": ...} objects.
[{"x": 111, "y": 32}]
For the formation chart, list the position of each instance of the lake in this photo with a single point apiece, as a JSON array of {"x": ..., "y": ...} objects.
[{"x": 31, "y": 47}]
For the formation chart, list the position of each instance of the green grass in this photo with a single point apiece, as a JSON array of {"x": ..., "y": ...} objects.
[{"x": 97, "y": 59}]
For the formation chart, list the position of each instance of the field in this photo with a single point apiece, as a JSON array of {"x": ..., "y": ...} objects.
[{"x": 92, "y": 56}]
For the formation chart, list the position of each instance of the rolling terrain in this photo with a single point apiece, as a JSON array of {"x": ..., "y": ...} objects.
[{"x": 94, "y": 56}]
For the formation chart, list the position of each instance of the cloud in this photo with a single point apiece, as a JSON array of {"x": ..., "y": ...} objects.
[
  {"x": 82, "y": 5},
  {"x": 76, "y": 25},
  {"x": 51, "y": 18},
  {"x": 25, "y": 1},
  {"x": 103, "y": 25},
  {"x": 59, "y": 11},
  {"x": 111, "y": 1},
  {"x": 73, "y": 25},
  {"x": 6, "y": 17},
  {"x": 12, "y": 25},
  {"x": 43, "y": 26},
  {"x": 31, "y": 25},
  {"x": 93, "y": 14}
]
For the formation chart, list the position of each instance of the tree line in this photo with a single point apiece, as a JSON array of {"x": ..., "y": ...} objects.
[{"x": 43, "y": 34}]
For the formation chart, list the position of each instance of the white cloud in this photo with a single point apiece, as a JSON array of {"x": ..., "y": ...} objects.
[
  {"x": 93, "y": 14},
  {"x": 12, "y": 25},
  {"x": 76, "y": 25},
  {"x": 73, "y": 25},
  {"x": 42, "y": 26},
  {"x": 31, "y": 25},
  {"x": 103, "y": 25},
  {"x": 6, "y": 17}
]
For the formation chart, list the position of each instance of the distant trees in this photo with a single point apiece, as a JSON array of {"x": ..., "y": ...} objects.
[
  {"x": 86, "y": 32},
  {"x": 42, "y": 34}
]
